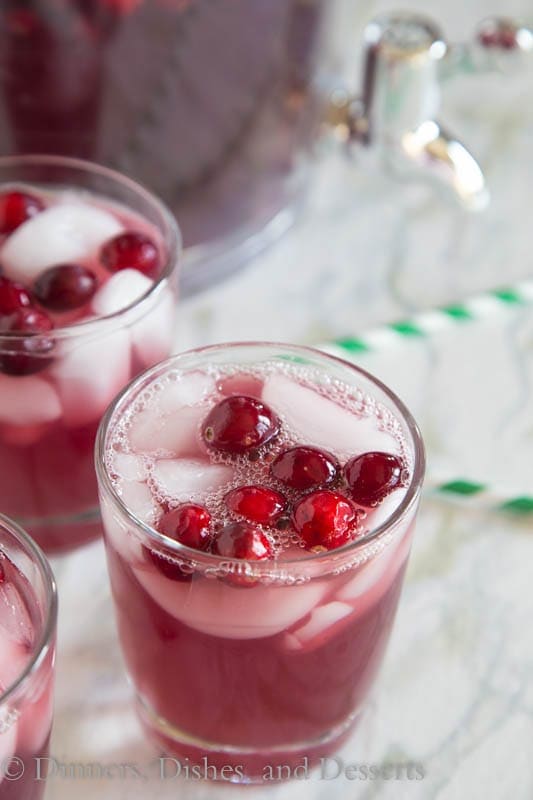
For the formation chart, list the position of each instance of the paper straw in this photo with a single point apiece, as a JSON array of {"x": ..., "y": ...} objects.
[
  {"x": 426, "y": 324},
  {"x": 485, "y": 496}
]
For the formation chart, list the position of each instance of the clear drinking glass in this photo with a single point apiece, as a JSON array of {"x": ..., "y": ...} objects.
[
  {"x": 213, "y": 106},
  {"x": 250, "y": 663},
  {"x": 49, "y": 419},
  {"x": 28, "y": 619}
]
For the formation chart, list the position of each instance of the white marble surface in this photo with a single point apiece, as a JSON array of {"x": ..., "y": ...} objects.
[{"x": 455, "y": 694}]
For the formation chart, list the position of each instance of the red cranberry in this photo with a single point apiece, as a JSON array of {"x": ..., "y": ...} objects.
[
  {"x": 169, "y": 569},
  {"x": 188, "y": 524},
  {"x": 16, "y": 208},
  {"x": 65, "y": 287},
  {"x": 240, "y": 540},
  {"x": 498, "y": 33},
  {"x": 24, "y": 356},
  {"x": 325, "y": 519},
  {"x": 13, "y": 296},
  {"x": 131, "y": 251},
  {"x": 256, "y": 503},
  {"x": 239, "y": 424},
  {"x": 372, "y": 476},
  {"x": 305, "y": 468}
]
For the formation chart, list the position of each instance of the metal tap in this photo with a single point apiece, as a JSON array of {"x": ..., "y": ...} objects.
[{"x": 405, "y": 60}]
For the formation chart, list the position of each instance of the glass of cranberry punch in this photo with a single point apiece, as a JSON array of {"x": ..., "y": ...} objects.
[
  {"x": 259, "y": 503},
  {"x": 88, "y": 273},
  {"x": 28, "y": 617}
]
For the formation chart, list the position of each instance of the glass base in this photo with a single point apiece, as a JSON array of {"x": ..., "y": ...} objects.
[
  {"x": 63, "y": 533},
  {"x": 189, "y": 757}
]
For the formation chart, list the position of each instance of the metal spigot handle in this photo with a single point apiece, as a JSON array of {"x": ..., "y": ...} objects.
[
  {"x": 401, "y": 85},
  {"x": 405, "y": 58}
]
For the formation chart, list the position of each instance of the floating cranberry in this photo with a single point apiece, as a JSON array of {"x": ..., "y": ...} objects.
[
  {"x": 325, "y": 519},
  {"x": 305, "y": 468},
  {"x": 372, "y": 476},
  {"x": 16, "y": 208},
  {"x": 239, "y": 424},
  {"x": 256, "y": 503},
  {"x": 65, "y": 287},
  {"x": 240, "y": 540},
  {"x": 13, "y": 296},
  {"x": 131, "y": 251},
  {"x": 28, "y": 354},
  {"x": 168, "y": 568},
  {"x": 188, "y": 524}
]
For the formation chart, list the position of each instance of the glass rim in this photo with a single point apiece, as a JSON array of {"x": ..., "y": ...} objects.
[
  {"x": 172, "y": 231},
  {"x": 340, "y": 554},
  {"x": 45, "y": 642}
]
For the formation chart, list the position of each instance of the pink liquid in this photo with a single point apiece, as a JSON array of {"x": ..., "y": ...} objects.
[
  {"x": 272, "y": 671},
  {"x": 26, "y": 719},
  {"x": 157, "y": 89},
  {"x": 49, "y": 419}
]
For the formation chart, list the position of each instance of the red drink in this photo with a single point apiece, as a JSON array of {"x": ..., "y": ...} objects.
[
  {"x": 211, "y": 105},
  {"x": 27, "y": 643},
  {"x": 87, "y": 301},
  {"x": 258, "y": 504}
]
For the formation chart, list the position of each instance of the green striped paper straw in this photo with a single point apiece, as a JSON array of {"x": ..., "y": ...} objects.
[
  {"x": 485, "y": 496},
  {"x": 426, "y": 324}
]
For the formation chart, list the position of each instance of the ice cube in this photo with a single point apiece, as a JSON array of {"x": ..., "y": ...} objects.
[
  {"x": 189, "y": 389},
  {"x": 365, "y": 580},
  {"x": 14, "y": 658},
  {"x": 319, "y": 627},
  {"x": 138, "y": 499},
  {"x": 153, "y": 334},
  {"x": 15, "y": 620},
  {"x": 190, "y": 478},
  {"x": 63, "y": 233},
  {"x": 382, "y": 512},
  {"x": 120, "y": 291},
  {"x": 8, "y": 738},
  {"x": 90, "y": 374},
  {"x": 36, "y": 718},
  {"x": 129, "y": 466},
  {"x": 373, "y": 578},
  {"x": 119, "y": 534},
  {"x": 321, "y": 422},
  {"x": 232, "y": 612},
  {"x": 176, "y": 434},
  {"x": 27, "y": 401}
]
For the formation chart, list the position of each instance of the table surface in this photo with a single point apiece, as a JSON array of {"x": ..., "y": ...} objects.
[{"x": 455, "y": 695}]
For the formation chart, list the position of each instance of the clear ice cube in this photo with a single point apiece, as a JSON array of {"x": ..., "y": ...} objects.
[
  {"x": 175, "y": 434},
  {"x": 63, "y": 233},
  {"x": 321, "y": 422},
  {"x": 89, "y": 375},
  {"x": 121, "y": 290},
  {"x": 217, "y": 608},
  {"x": 153, "y": 335},
  {"x": 190, "y": 389},
  {"x": 313, "y": 632},
  {"x": 139, "y": 500},
  {"x": 27, "y": 400},
  {"x": 190, "y": 478}
]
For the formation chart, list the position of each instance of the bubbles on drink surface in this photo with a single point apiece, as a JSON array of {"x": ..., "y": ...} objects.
[{"x": 311, "y": 408}]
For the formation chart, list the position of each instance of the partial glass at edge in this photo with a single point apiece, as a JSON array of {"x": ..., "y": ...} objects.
[
  {"x": 28, "y": 620},
  {"x": 249, "y": 702},
  {"x": 47, "y": 465}
]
